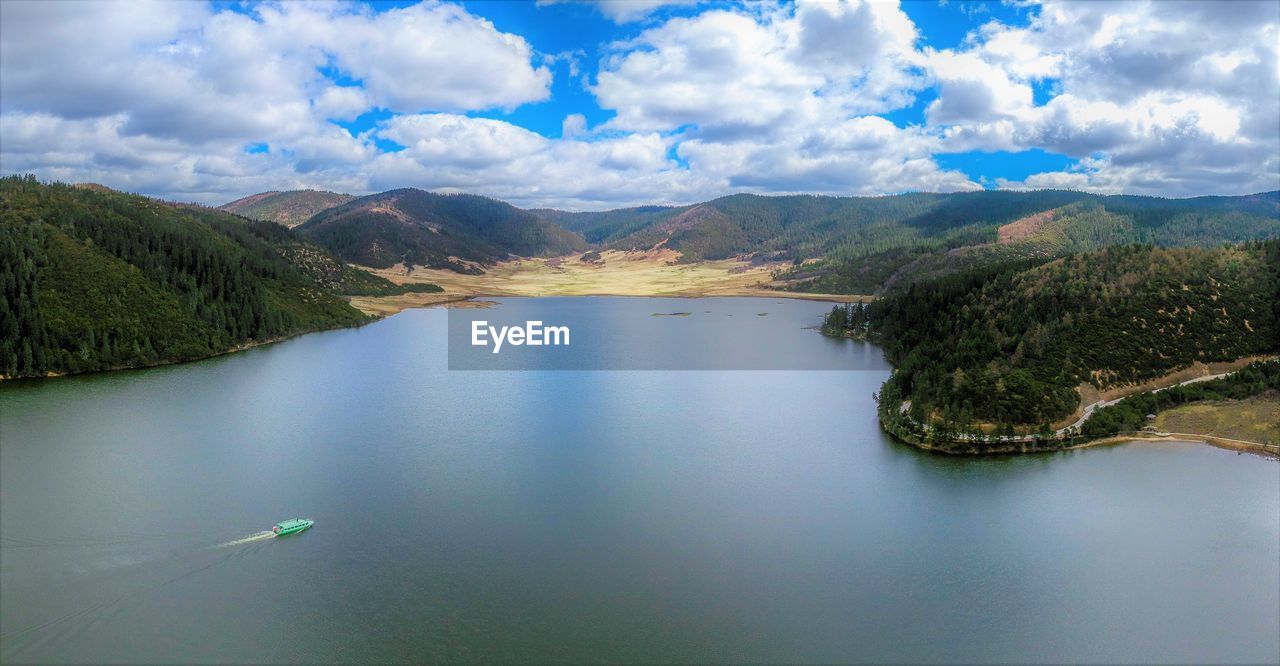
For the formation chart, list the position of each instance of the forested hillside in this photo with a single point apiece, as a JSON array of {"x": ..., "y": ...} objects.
[
  {"x": 835, "y": 244},
  {"x": 992, "y": 236},
  {"x": 807, "y": 226},
  {"x": 92, "y": 279},
  {"x": 454, "y": 231},
  {"x": 868, "y": 244},
  {"x": 1007, "y": 343},
  {"x": 603, "y": 226},
  {"x": 288, "y": 208},
  {"x": 327, "y": 270}
]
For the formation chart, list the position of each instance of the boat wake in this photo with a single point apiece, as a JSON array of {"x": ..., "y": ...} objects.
[
  {"x": 249, "y": 539},
  {"x": 93, "y": 591}
]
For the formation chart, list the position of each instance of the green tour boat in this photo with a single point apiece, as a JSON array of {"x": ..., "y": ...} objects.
[{"x": 292, "y": 525}]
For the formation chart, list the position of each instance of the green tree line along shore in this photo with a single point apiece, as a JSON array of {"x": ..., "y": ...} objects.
[
  {"x": 1001, "y": 348},
  {"x": 92, "y": 279},
  {"x": 1126, "y": 417}
]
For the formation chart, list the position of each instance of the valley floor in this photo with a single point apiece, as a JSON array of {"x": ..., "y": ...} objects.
[{"x": 652, "y": 273}]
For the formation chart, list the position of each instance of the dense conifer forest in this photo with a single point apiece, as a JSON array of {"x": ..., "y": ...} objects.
[
  {"x": 1006, "y": 344},
  {"x": 92, "y": 279},
  {"x": 945, "y": 241}
]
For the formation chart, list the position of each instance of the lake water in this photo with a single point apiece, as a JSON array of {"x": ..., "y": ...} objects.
[{"x": 584, "y": 515}]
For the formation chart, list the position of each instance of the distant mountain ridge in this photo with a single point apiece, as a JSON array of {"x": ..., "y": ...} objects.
[
  {"x": 814, "y": 226},
  {"x": 454, "y": 231},
  {"x": 865, "y": 244},
  {"x": 837, "y": 244},
  {"x": 288, "y": 208}
]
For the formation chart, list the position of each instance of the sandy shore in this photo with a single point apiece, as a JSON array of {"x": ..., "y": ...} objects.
[
  {"x": 385, "y": 306},
  {"x": 1267, "y": 450},
  {"x": 1258, "y": 448},
  {"x": 652, "y": 273}
]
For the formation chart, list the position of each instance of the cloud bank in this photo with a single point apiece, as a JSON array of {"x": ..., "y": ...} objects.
[{"x": 199, "y": 102}]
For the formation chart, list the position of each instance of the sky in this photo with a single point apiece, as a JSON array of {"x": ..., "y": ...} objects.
[{"x": 595, "y": 105}]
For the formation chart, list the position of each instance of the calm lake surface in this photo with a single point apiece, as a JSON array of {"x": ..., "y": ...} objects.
[{"x": 584, "y": 515}]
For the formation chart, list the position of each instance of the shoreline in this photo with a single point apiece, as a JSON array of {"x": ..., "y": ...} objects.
[
  {"x": 378, "y": 308},
  {"x": 147, "y": 366},
  {"x": 437, "y": 299},
  {"x": 1270, "y": 451},
  {"x": 387, "y": 306},
  {"x": 1026, "y": 443},
  {"x": 650, "y": 274}
]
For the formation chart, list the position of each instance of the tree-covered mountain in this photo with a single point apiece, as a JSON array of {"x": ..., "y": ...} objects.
[
  {"x": 865, "y": 244},
  {"x": 288, "y": 208},
  {"x": 328, "y": 270},
  {"x": 602, "y": 226},
  {"x": 809, "y": 226},
  {"x": 1090, "y": 222},
  {"x": 1008, "y": 343},
  {"x": 837, "y": 244},
  {"x": 92, "y": 279},
  {"x": 455, "y": 231}
]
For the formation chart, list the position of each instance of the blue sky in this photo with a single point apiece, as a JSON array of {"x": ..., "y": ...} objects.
[
  {"x": 581, "y": 31},
  {"x": 587, "y": 105}
]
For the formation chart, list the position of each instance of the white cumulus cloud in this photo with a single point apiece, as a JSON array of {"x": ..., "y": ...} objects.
[
  {"x": 164, "y": 97},
  {"x": 1155, "y": 97},
  {"x": 198, "y": 101}
]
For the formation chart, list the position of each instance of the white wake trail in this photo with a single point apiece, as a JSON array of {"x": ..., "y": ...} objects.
[{"x": 256, "y": 537}]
